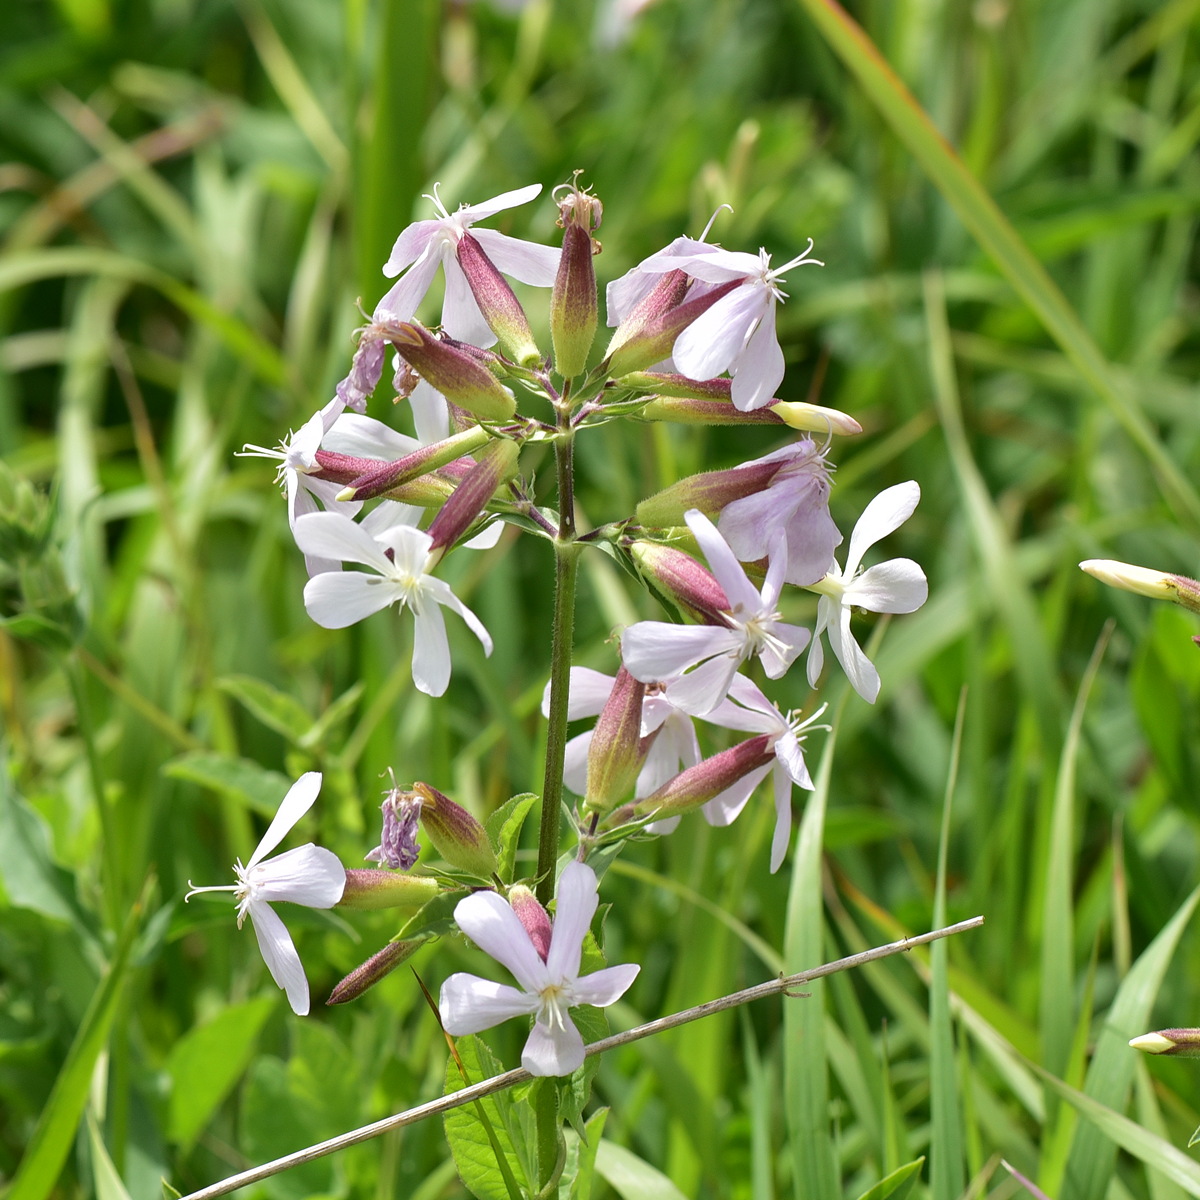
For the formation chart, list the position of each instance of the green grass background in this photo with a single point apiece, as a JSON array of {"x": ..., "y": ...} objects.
[{"x": 194, "y": 193}]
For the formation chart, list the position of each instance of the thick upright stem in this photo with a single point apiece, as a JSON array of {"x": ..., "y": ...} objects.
[{"x": 566, "y": 561}]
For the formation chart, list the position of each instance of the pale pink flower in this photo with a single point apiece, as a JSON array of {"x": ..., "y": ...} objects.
[{"x": 549, "y": 979}]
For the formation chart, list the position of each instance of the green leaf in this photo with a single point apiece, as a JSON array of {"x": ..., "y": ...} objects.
[
  {"x": 898, "y": 1184},
  {"x": 631, "y": 1177},
  {"x": 54, "y": 1135},
  {"x": 275, "y": 709},
  {"x": 29, "y": 877},
  {"x": 504, "y": 828},
  {"x": 104, "y": 1173},
  {"x": 257, "y": 788},
  {"x": 206, "y": 1063},
  {"x": 579, "y": 1173},
  {"x": 474, "y": 1151},
  {"x": 434, "y": 918}
]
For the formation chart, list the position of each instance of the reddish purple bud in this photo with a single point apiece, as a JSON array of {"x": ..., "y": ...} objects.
[
  {"x": 384, "y": 477},
  {"x": 533, "y": 917},
  {"x": 648, "y": 333},
  {"x": 573, "y": 309},
  {"x": 617, "y": 749},
  {"x": 495, "y": 467},
  {"x": 459, "y": 838},
  {"x": 687, "y": 584},
  {"x": 708, "y": 779},
  {"x": 374, "y": 969},
  {"x": 498, "y": 303},
  {"x": 455, "y": 372}
]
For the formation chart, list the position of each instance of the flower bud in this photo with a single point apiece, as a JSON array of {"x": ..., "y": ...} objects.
[
  {"x": 533, "y": 917},
  {"x": 708, "y": 491},
  {"x": 1158, "y": 585},
  {"x": 454, "y": 371},
  {"x": 498, "y": 303},
  {"x": 26, "y": 518},
  {"x": 648, "y": 333},
  {"x": 368, "y": 889},
  {"x": 617, "y": 749},
  {"x": 687, "y": 584},
  {"x": 684, "y": 408},
  {"x": 708, "y": 779},
  {"x": 374, "y": 969},
  {"x": 573, "y": 316},
  {"x": 495, "y": 466},
  {"x": 459, "y": 838},
  {"x": 1178, "y": 1043},
  {"x": 381, "y": 477}
]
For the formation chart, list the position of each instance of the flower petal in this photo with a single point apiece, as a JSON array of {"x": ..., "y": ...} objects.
[
  {"x": 885, "y": 514},
  {"x": 336, "y": 599},
  {"x": 431, "y": 652},
  {"x": 334, "y": 535},
  {"x": 410, "y": 245},
  {"x": 308, "y": 875},
  {"x": 279, "y": 953},
  {"x": 493, "y": 926},
  {"x": 431, "y": 417},
  {"x": 365, "y": 437},
  {"x": 858, "y": 667},
  {"x": 725, "y": 808},
  {"x": 723, "y": 563},
  {"x": 299, "y": 799},
  {"x": 553, "y": 1050},
  {"x": 577, "y": 901},
  {"x": 606, "y": 986},
  {"x": 783, "y": 818},
  {"x": 716, "y": 337},
  {"x": 400, "y": 301},
  {"x": 468, "y": 1004},
  {"x": 575, "y": 762},
  {"x": 470, "y": 213},
  {"x": 461, "y": 317},
  {"x": 896, "y": 586},
  {"x": 529, "y": 262},
  {"x": 657, "y": 650},
  {"x": 441, "y": 591},
  {"x": 758, "y": 370},
  {"x": 702, "y": 689}
]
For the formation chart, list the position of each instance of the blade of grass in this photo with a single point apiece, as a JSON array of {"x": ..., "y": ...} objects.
[
  {"x": 947, "y": 1174},
  {"x": 54, "y": 1135},
  {"x": 992, "y": 230}
]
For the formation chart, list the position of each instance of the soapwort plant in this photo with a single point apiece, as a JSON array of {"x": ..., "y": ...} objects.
[{"x": 727, "y": 553}]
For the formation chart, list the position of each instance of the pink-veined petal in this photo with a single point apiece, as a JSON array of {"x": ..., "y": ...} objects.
[
  {"x": 783, "y": 818},
  {"x": 717, "y": 265},
  {"x": 885, "y": 514},
  {"x": 758, "y": 370},
  {"x": 299, "y": 799},
  {"x": 493, "y": 926},
  {"x": 402, "y": 299},
  {"x": 471, "y": 213},
  {"x": 716, "y": 337},
  {"x": 723, "y": 563},
  {"x": 724, "y": 809},
  {"x": 896, "y": 586},
  {"x": 656, "y": 650},
  {"x": 553, "y": 1050},
  {"x": 431, "y": 651},
  {"x": 308, "y": 875},
  {"x": 577, "y": 901},
  {"x": 410, "y": 245},
  {"x": 468, "y": 1004},
  {"x": 365, "y": 437},
  {"x": 333, "y": 535},
  {"x": 461, "y": 317},
  {"x": 336, "y": 599},
  {"x": 606, "y": 986},
  {"x": 528, "y": 262},
  {"x": 279, "y": 953}
]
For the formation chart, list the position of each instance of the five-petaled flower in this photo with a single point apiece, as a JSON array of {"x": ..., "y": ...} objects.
[
  {"x": 424, "y": 245},
  {"x": 549, "y": 978},
  {"x": 307, "y": 875},
  {"x": 701, "y": 660},
  {"x": 401, "y": 557},
  {"x": 896, "y": 586}
]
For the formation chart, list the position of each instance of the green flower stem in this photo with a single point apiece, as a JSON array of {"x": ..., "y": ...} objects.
[{"x": 566, "y": 566}]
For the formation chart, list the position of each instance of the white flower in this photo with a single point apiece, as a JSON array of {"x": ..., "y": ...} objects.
[
  {"x": 623, "y": 295},
  {"x": 737, "y": 334},
  {"x": 701, "y": 660},
  {"x": 548, "y": 986},
  {"x": 401, "y": 557},
  {"x": 747, "y": 709},
  {"x": 896, "y": 586},
  {"x": 307, "y": 875},
  {"x": 425, "y": 244}
]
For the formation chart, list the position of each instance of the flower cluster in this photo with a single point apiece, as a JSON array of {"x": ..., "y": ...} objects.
[{"x": 739, "y": 554}]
